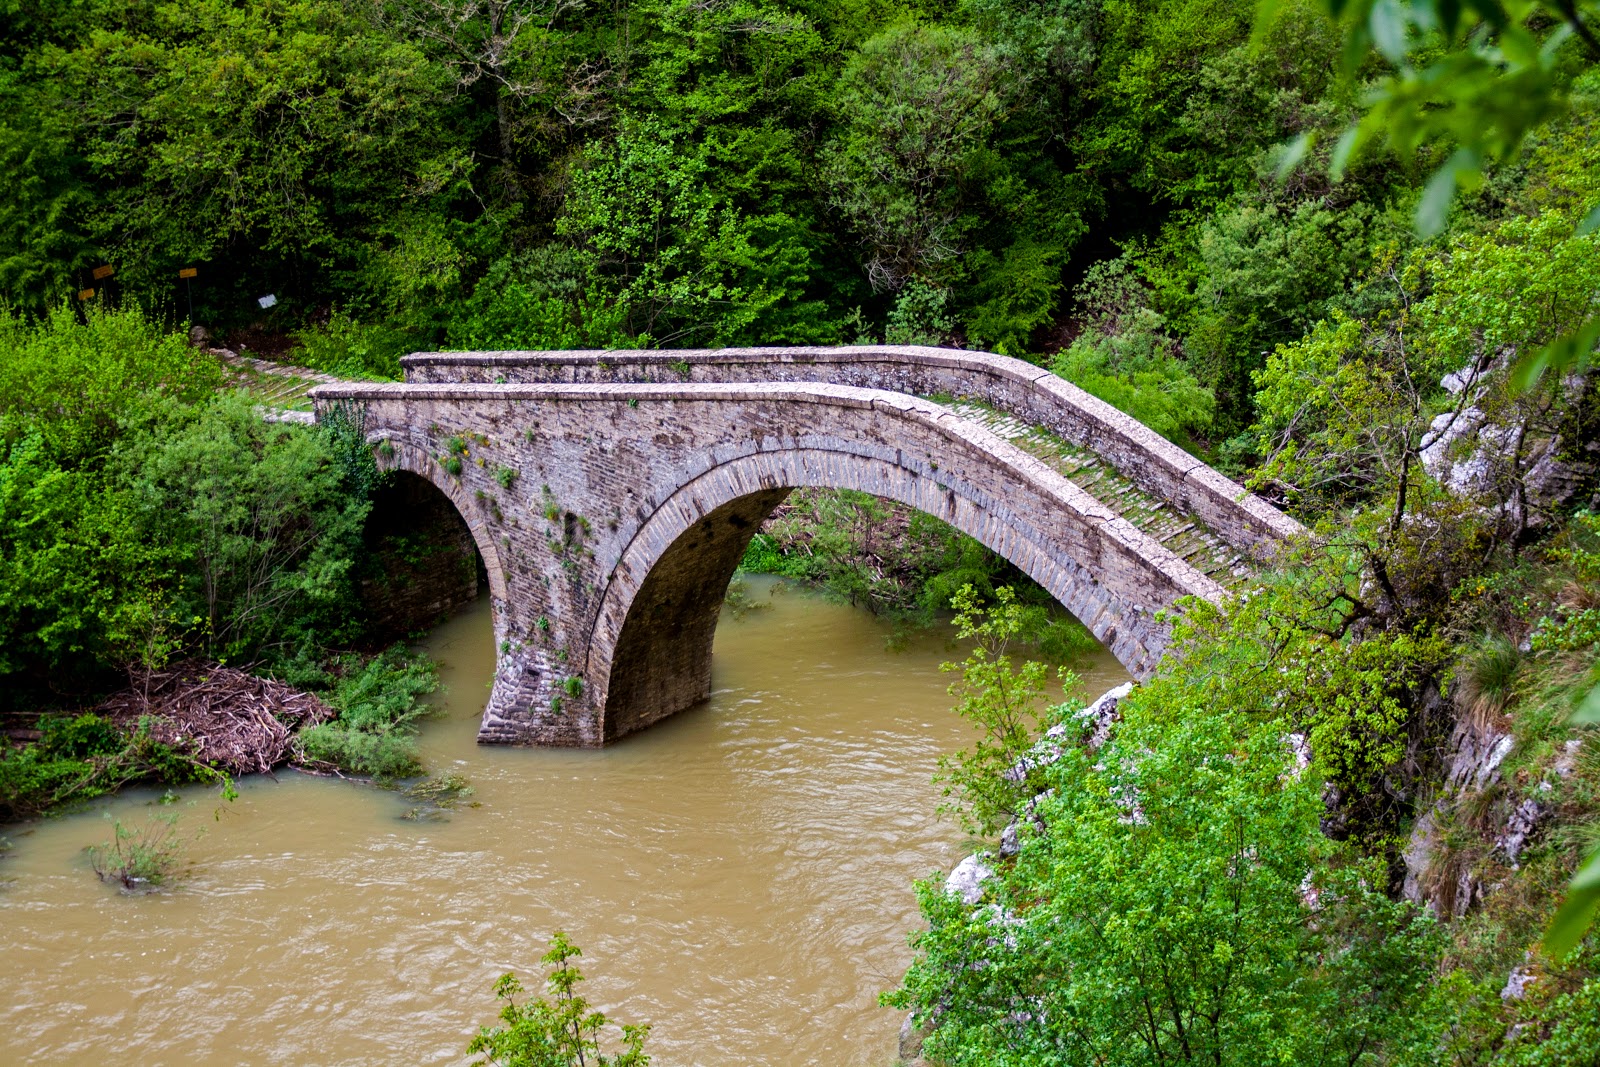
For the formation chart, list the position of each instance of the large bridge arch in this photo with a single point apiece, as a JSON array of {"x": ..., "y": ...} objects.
[{"x": 653, "y": 634}]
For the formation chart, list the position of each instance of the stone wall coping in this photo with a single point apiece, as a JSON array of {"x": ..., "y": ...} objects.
[
  {"x": 1178, "y": 465},
  {"x": 968, "y": 435}
]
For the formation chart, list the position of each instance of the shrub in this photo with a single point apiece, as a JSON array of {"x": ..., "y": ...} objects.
[
  {"x": 1139, "y": 373},
  {"x": 1160, "y": 906},
  {"x": 79, "y": 738},
  {"x": 556, "y": 1032},
  {"x": 141, "y": 858},
  {"x": 351, "y": 349},
  {"x": 379, "y": 703}
]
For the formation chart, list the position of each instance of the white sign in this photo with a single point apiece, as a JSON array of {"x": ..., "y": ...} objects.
[{"x": 267, "y": 301}]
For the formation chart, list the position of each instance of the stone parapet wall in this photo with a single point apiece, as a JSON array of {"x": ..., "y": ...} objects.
[{"x": 1029, "y": 393}]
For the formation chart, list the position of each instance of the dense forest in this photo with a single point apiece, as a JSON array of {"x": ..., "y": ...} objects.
[
  {"x": 1346, "y": 252},
  {"x": 1087, "y": 182}
]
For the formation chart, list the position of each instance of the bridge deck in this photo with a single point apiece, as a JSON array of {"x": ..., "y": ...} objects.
[{"x": 274, "y": 385}]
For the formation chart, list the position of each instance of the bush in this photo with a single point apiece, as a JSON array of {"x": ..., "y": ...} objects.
[
  {"x": 261, "y": 522},
  {"x": 1139, "y": 373},
  {"x": 75, "y": 384},
  {"x": 350, "y": 349},
  {"x": 1161, "y": 907},
  {"x": 31, "y": 781},
  {"x": 379, "y": 703},
  {"x": 558, "y": 1032},
  {"x": 141, "y": 858},
  {"x": 1005, "y": 701}
]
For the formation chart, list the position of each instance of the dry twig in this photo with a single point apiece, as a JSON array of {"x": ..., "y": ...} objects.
[{"x": 224, "y": 717}]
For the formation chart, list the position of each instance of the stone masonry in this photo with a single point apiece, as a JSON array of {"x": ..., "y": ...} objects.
[{"x": 611, "y": 501}]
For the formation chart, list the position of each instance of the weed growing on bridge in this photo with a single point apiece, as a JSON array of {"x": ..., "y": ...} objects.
[{"x": 506, "y": 476}]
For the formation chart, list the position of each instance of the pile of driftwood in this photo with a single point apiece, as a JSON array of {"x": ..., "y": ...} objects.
[{"x": 222, "y": 716}]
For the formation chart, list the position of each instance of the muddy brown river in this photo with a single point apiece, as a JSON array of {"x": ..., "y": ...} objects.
[{"x": 738, "y": 876}]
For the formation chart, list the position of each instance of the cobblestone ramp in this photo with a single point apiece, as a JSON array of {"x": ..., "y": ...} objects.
[
  {"x": 1183, "y": 535},
  {"x": 273, "y": 385}
]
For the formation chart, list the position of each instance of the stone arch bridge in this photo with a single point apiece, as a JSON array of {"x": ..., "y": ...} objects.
[{"x": 612, "y": 494}]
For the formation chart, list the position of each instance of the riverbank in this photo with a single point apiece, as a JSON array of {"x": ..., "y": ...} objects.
[{"x": 208, "y": 723}]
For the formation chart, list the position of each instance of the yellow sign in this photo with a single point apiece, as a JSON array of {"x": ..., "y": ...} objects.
[
  {"x": 188, "y": 272},
  {"x": 85, "y": 294},
  {"x": 104, "y": 272}
]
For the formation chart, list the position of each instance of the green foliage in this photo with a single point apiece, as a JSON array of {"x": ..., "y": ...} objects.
[
  {"x": 280, "y": 128},
  {"x": 1136, "y": 372},
  {"x": 1014, "y": 294},
  {"x": 74, "y": 383},
  {"x": 918, "y": 105},
  {"x": 1126, "y": 356},
  {"x": 379, "y": 703},
  {"x": 1003, "y": 701},
  {"x": 1160, "y": 911},
  {"x": 554, "y": 1031},
  {"x": 1577, "y": 912},
  {"x": 261, "y": 517},
  {"x": 1285, "y": 655},
  {"x": 1474, "y": 80},
  {"x": 350, "y": 349},
  {"x": 81, "y": 737},
  {"x": 74, "y": 574},
  {"x": 919, "y": 316},
  {"x": 140, "y": 858},
  {"x": 81, "y": 757}
]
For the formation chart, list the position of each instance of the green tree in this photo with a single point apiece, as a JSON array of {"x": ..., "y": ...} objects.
[
  {"x": 559, "y": 1031},
  {"x": 1172, "y": 902},
  {"x": 73, "y": 569},
  {"x": 917, "y": 106},
  {"x": 259, "y": 521},
  {"x": 290, "y": 131}
]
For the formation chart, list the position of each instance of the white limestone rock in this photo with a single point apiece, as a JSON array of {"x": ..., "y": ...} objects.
[
  {"x": 1098, "y": 718},
  {"x": 966, "y": 881}
]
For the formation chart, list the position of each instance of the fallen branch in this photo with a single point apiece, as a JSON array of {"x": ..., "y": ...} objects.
[{"x": 224, "y": 717}]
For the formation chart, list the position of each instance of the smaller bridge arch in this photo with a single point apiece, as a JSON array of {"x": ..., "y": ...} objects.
[{"x": 393, "y": 452}]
